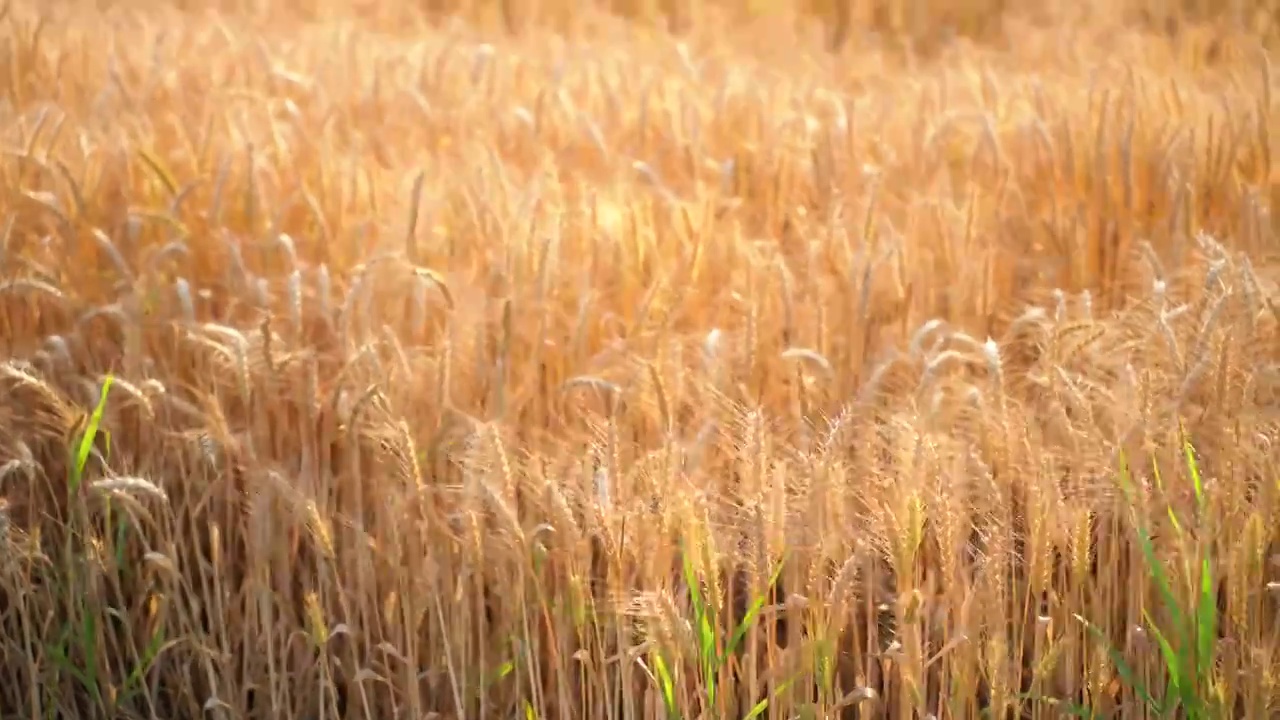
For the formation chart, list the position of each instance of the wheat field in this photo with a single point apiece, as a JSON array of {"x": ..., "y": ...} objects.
[{"x": 624, "y": 361}]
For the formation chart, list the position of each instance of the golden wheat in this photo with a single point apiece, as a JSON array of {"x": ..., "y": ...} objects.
[{"x": 534, "y": 359}]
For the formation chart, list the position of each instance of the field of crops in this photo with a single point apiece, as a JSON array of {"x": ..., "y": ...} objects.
[{"x": 704, "y": 360}]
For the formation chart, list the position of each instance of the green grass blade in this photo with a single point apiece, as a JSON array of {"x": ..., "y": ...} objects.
[
  {"x": 1194, "y": 467},
  {"x": 1162, "y": 580},
  {"x": 1206, "y": 623},
  {"x": 757, "y": 710},
  {"x": 753, "y": 611},
  {"x": 1172, "y": 662},
  {"x": 90, "y": 433},
  {"x": 1153, "y": 563},
  {"x": 502, "y": 671},
  {"x": 1173, "y": 515},
  {"x": 1127, "y": 674},
  {"x": 148, "y": 659},
  {"x": 1206, "y": 602},
  {"x": 704, "y": 621},
  {"x": 666, "y": 686}
]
